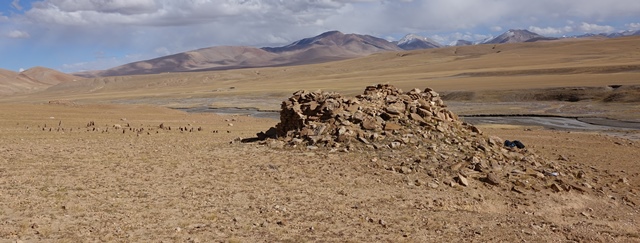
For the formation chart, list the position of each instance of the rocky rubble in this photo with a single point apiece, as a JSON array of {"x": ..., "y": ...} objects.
[{"x": 413, "y": 132}]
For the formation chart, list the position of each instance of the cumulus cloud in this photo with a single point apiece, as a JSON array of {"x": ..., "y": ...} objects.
[
  {"x": 157, "y": 27},
  {"x": 169, "y": 12},
  {"x": 17, "y": 34},
  {"x": 595, "y": 28},
  {"x": 451, "y": 38},
  {"x": 633, "y": 26},
  {"x": 359, "y": 16},
  {"x": 550, "y": 31}
]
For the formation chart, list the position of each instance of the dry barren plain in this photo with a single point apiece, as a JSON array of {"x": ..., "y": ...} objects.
[{"x": 105, "y": 159}]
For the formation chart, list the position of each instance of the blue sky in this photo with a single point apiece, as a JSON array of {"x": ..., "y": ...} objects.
[{"x": 77, "y": 35}]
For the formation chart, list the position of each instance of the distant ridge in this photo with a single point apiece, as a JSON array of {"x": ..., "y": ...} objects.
[
  {"x": 351, "y": 43},
  {"x": 328, "y": 46},
  {"x": 31, "y": 80}
]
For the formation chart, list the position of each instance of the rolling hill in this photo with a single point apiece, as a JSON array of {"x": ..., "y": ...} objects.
[{"x": 31, "y": 80}]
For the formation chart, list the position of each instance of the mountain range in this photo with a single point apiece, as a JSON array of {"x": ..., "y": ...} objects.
[
  {"x": 328, "y": 46},
  {"x": 612, "y": 35}
]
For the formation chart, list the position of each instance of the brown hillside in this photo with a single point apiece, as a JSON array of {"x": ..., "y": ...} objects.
[
  {"x": 328, "y": 46},
  {"x": 48, "y": 76},
  {"x": 32, "y": 80},
  {"x": 207, "y": 58}
]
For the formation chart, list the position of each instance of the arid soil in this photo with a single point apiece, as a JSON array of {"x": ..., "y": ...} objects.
[
  {"x": 76, "y": 173},
  {"x": 101, "y": 160}
]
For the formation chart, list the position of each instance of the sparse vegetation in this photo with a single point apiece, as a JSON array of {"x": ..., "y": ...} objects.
[{"x": 68, "y": 173}]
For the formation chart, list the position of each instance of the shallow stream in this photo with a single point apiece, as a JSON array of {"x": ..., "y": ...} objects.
[{"x": 626, "y": 129}]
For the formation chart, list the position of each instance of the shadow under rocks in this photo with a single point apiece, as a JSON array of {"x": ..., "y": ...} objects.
[{"x": 261, "y": 136}]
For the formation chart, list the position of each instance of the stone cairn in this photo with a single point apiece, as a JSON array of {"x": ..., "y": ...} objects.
[
  {"x": 416, "y": 132},
  {"x": 382, "y": 113}
]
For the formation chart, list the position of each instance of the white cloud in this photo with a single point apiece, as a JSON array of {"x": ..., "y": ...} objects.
[
  {"x": 125, "y": 7},
  {"x": 21, "y": 70},
  {"x": 295, "y": 18},
  {"x": 595, "y": 28},
  {"x": 633, "y": 26},
  {"x": 550, "y": 31},
  {"x": 158, "y": 27},
  {"x": 17, "y": 34}
]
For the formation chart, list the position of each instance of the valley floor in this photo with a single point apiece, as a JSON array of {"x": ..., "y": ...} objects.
[{"x": 71, "y": 173}]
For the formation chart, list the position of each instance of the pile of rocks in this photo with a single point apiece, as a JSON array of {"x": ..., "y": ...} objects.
[
  {"x": 412, "y": 132},
  {"x": 382, "y": 114}
]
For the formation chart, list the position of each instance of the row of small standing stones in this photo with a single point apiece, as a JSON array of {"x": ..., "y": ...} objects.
[{"x": 91, "y": 127}]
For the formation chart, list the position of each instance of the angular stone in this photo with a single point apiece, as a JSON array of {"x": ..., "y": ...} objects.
[
  {"x": 462, "y": 180},
  {"x": 417, "y": 118},
  {"x": 425, "y": 113},
  {"x": 342, "y": 131},
  {"x": 492, "y": 179},
  {"x": 390, "y": 126},
  {"x": 555, "y": 187},
  {"x": 391, "y": 98},
  {"x": 312, "y": 105},
  {"x": 518, "y": 189},
  {"x": 424, "y": 104},
  {"x": 307, "y": 132},
  {"x": 475, "y": 129},
  {"x": 395, "y": 109},
  {"x": 363, "y": 140},
  {"x": 320, "y": 129},
  {"x": 494, "y": 141},
  {"x": 370, "y": 124}
]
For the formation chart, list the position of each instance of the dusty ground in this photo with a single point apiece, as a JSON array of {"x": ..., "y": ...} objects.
[
  {"x": 67, "y": 182},
  {"x": 125, "y": 179}
]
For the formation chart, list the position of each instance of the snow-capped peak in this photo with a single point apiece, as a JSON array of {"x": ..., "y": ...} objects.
[{"x": 411, "y": 38}]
